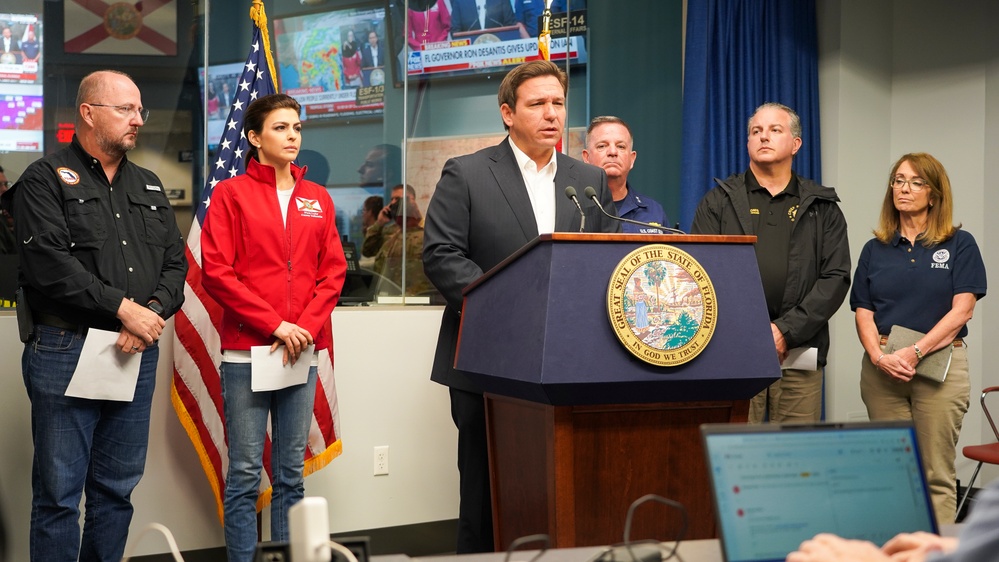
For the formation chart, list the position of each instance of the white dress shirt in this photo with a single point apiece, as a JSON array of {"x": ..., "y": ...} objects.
[{"x": 540, "y": 187}]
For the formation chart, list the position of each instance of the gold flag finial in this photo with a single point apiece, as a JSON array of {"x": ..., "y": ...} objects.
[
  {"x": 545, "y": 37},
  {"x": 259, "y": 17}
]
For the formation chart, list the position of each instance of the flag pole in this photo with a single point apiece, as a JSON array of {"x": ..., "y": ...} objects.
[
  {"x": 259, "y": 17},
  {"x": 545, "y": 37}
]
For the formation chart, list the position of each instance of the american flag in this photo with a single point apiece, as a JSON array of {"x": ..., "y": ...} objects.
[{"x": 196, "y": 391}]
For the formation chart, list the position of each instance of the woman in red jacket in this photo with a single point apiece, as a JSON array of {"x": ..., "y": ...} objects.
[{"x": 272, "y": 259}]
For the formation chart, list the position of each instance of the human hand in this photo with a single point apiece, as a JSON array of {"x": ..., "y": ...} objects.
[
  {"x": 779, "y": 342},
  {"x": 896, "y": 367},
  {"x": 830, "y": 548},
  {"x": 140, "y": 321},
  {"x": 130, "y": 343},
  {"x": 384, "y": 216},
  {"x": 294, "y": 338},
  {"x": 914, "y": 547}
]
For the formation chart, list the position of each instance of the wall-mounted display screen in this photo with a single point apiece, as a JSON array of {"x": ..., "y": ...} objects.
[
  {"x": 482, "y": 36},
  {"x": 21, "y": 123},
  {"x": 20, "y": 48},
  {"x": 335, "y": 62},
  {"x": 223, "y": 79}
]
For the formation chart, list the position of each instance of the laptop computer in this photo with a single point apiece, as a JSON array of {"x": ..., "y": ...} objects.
[{"x": 775, "y": 486}]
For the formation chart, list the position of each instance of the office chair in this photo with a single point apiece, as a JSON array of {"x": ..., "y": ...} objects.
[{"x": 986, "y": 453}]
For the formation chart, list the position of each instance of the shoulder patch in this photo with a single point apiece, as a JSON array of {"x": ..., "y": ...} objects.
[{"x": 68, "y": 177}]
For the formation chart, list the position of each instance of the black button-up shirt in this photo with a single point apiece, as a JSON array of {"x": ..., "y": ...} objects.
[
  {"x": 773, "y": 220},
  {"x": 85, "y": 243}
]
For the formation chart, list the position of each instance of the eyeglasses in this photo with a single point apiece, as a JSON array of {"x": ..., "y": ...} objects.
[
  {"x": 5, "y": 184},
  {"x": 915, "y": 184},
  {"x": 126, "y": 110}
]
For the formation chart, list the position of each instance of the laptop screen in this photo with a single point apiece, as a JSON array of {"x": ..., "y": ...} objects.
[{"x": 776, "y": 486}]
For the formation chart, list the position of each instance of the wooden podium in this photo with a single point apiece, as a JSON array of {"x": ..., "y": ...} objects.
[{"x": 578, "y": 427}]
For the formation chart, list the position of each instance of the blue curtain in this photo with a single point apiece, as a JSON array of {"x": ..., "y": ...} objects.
[{"x": 740, "y": 54}]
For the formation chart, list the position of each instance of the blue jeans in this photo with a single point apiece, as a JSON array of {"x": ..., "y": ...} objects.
[
  {"x": 92, "y": 446},
  {"x": 246, "y": 414}
]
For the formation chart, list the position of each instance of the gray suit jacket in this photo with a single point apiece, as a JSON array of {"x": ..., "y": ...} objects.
[{"x": 479, "y": 215}]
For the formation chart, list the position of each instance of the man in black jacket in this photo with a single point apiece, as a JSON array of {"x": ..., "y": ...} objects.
[{"x": 802, "y": 250}]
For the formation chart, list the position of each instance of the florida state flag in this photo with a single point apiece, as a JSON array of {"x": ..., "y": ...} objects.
[{"x": 146, "y": 27}]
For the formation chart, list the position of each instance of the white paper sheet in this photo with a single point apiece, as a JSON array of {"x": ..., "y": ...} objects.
[
  {"x": 104, "y": 372},
  {"x": 804, "y": 358},
  {"x": 267, "y": 372}
]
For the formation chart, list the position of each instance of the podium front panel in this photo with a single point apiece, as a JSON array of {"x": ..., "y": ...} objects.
[{"x": 539, "y": 330}]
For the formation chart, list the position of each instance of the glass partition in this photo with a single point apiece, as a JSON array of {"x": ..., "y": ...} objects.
[
  {"x": 46, "y": 48},
  {"x": 390, "y": 89}
]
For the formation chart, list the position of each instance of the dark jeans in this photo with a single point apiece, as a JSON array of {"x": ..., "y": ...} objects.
[{"x": 93, "y": 446}]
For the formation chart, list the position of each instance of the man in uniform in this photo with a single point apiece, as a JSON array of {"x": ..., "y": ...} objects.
[
  {"x": 802, "y": 251},
  {"x": 100, "y": 250},
  {"x": 609, "y": 144}
]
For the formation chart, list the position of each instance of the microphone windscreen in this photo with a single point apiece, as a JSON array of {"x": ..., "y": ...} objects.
[
  {"x": 570, "y": 192},
  {"x": 589, "y": 192}
]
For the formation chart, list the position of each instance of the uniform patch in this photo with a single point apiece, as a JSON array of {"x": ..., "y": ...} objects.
[
  {"x": 153, "y": 188},
  {"x": 309, "y": 207},
  {"x": 68, "y": 177},
  {"x": 940, "y": 259},
  {"x": 792, "y": 212}
]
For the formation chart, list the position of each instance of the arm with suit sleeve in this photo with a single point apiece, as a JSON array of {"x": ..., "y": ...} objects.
[
  {"x": 446, "y": 260},
  {"x": 606, "y": 224}
]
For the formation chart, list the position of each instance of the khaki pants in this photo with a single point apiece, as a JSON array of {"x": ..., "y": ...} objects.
[
  {"x": 937, "y": 411},
  {"x": 796, "y": 397}
]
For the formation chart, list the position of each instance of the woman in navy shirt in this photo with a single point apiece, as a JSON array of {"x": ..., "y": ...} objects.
[{"x": 921, "y": 272}]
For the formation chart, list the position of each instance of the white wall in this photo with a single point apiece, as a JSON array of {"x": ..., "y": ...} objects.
[
  {"x": 906, "y": 76},
  {"x": 383, "y": 359}
]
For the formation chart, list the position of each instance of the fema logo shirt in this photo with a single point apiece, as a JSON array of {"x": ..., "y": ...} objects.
[{"x": 940, "y": 259}]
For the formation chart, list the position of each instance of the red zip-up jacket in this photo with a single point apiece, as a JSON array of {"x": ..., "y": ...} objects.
[{"x": 262, "y": 272}]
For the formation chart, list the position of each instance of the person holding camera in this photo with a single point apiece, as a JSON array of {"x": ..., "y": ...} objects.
[
  {"x": 403, "y": 248},
  {"x": 385, "y": 224}
]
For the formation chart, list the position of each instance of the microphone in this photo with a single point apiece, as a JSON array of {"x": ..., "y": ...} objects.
[
  {"x": 570, "y": 192},
  {"x": 591, "y": 193}
]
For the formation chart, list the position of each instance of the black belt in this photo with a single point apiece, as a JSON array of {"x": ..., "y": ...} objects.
[{"x": 47, "y": 319}]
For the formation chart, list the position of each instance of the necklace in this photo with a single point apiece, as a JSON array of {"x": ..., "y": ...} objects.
[{"x": 426, "y": 22}]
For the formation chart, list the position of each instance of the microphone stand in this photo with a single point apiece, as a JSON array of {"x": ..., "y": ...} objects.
[{"x": 592, "y": 194}]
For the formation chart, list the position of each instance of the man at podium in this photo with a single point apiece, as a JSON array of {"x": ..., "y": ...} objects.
[
  {"x": 802, "y": 251},
  {"x": 486, "y": 206}
]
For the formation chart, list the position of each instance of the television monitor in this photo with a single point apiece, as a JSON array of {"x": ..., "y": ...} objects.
[
  {"x": 510, "y": 37},
  {"x": 21, "y": 52},
  {"x": 222, "y": 82},
  {"x": 21, "y": 123},
  {"x": 334, "y": 62}
]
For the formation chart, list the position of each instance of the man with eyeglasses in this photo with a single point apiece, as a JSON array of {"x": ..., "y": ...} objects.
[
  {"x": 99, "y": 250},
  {"x": 801, "y": 248}
]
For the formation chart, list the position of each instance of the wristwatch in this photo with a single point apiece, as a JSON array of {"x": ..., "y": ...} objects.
[
  {"x": 156, "y": 307},
  {"x": 919, "y": 353}
]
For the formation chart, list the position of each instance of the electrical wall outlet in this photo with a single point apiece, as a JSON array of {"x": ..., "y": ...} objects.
[{"x": 381, "y": 460}]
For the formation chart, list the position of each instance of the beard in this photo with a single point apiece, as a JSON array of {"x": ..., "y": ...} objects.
[{"x": 113, "y": 146}]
